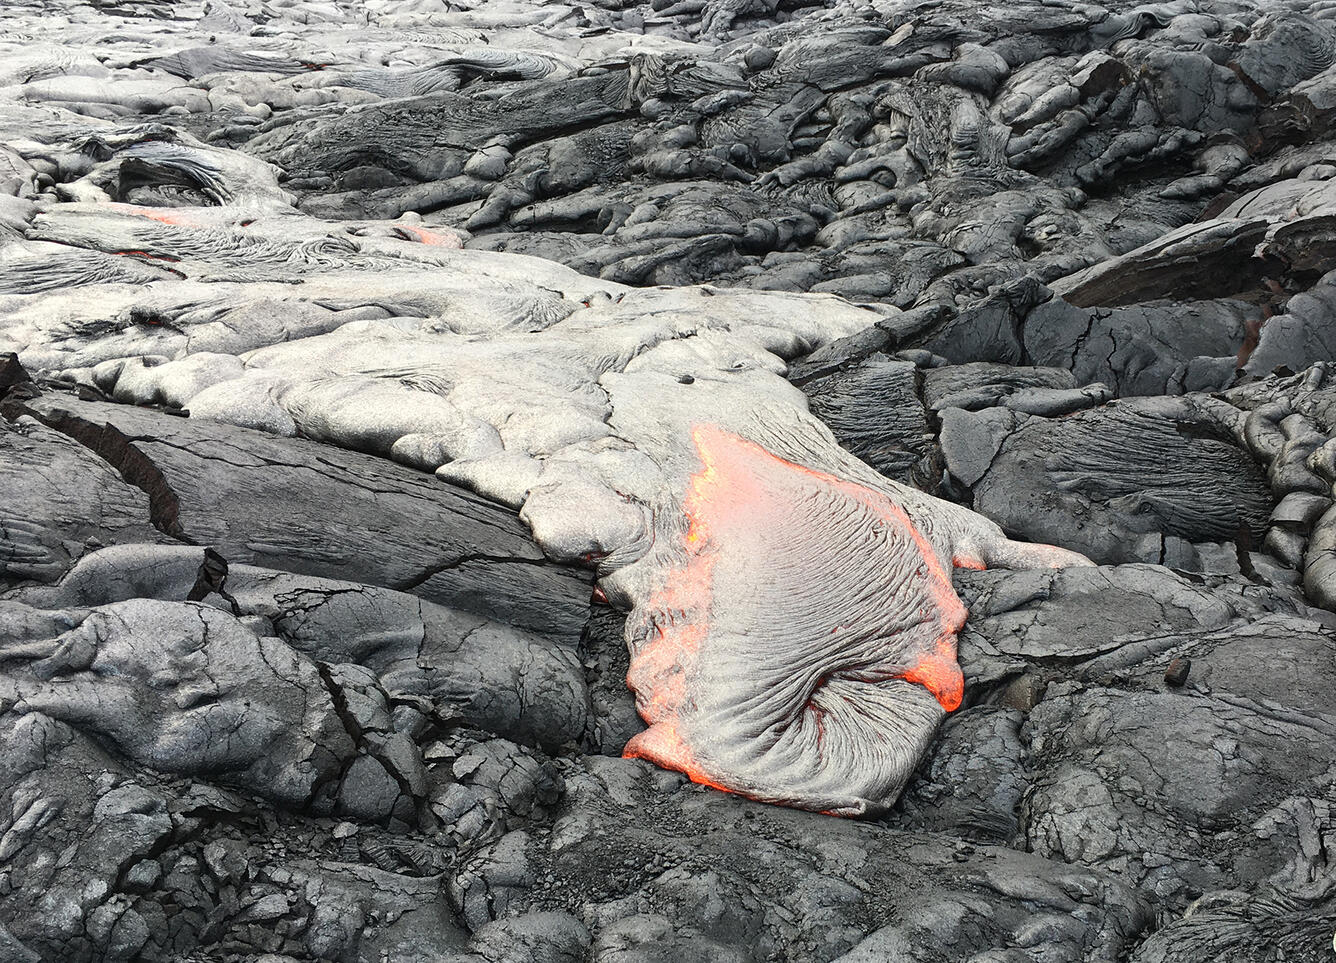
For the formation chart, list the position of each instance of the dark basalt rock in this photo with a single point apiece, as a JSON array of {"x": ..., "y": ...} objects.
[
  {"x": 1122, "y": 480},
  {"x": 11, "y": 373},
  {"x": 295, "y": 506},
  {"x": 1177, "y": 673},
  {"x": 876, "y": 413}
]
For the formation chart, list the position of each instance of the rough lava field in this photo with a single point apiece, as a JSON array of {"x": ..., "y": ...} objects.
[{"x": 667, "y": 482}]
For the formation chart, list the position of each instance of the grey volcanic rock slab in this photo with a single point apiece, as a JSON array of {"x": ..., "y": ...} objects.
[
  {"x": 876, "y": 412},
  {"x": 1172, "y": 266},
  {"x": 723, "y": 877},
  {"x": 1074, "y": 615},
  {"x": 1152, "y": 348},
  {"x": 1121, "y": 480},
  {"x": 1300, "y": 336},
  {"x": 61, "y": 501},
  {"x": 975, "y": 779},
  {"x": 310, "y": 509},
  {"x": 976, "y": 385},
  {"x": 971, "y": 440},
  {"x": 1099, "y": 752}
]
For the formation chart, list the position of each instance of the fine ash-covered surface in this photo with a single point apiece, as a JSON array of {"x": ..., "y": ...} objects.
[{"x": 946, "y": 283}]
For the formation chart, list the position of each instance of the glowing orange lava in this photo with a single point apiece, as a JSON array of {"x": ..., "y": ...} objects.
[
  {"x": 724, "y": 493},
  {"x": 148, "y": 254},
  {"x": 164, "y": 215},
  {"x": 433, "y": 238}
]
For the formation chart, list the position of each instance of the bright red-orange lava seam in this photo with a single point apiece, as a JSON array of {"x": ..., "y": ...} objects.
[
  {"x": 432, "y": 238},
  {"x": 165, "y": 215}
]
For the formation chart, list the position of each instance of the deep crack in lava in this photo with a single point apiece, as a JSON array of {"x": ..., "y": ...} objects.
[{"x": 776, "y": 654}]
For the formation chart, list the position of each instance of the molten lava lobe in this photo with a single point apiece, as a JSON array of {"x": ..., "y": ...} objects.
[
  {"x": 163, "y": 215},
  {"x": 431, "y": 238},
  {"x": 803, "y": 651}
]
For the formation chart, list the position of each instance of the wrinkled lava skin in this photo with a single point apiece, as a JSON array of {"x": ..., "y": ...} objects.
[{"x": 805, "y": 651}]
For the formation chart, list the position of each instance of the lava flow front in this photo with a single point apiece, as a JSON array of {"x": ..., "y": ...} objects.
[{"x": 802, "y": 602}]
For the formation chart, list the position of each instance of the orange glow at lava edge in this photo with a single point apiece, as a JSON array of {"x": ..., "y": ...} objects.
[
  {"x": 725, "y": 485},
  {"x": 163, "y": 215},
  {"x": 432, "y": 238}
]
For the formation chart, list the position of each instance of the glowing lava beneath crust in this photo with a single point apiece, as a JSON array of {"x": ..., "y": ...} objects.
[
  {"x": 750, "y": 587},
  {"x": 172, "y": 216},
  {"x": 431, "y": 238}
]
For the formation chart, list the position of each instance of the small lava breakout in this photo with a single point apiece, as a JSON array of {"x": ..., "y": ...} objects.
[{"x": 759, "y": 679}]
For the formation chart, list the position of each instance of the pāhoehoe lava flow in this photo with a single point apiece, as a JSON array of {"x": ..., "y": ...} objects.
[
  {"x": 804, "y": 621},
  {"x": 804, "y": 649},
  {"x": 440, "y": 439}
]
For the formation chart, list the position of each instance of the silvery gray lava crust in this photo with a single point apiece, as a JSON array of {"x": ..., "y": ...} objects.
[{"x": 419, "y": 418}]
